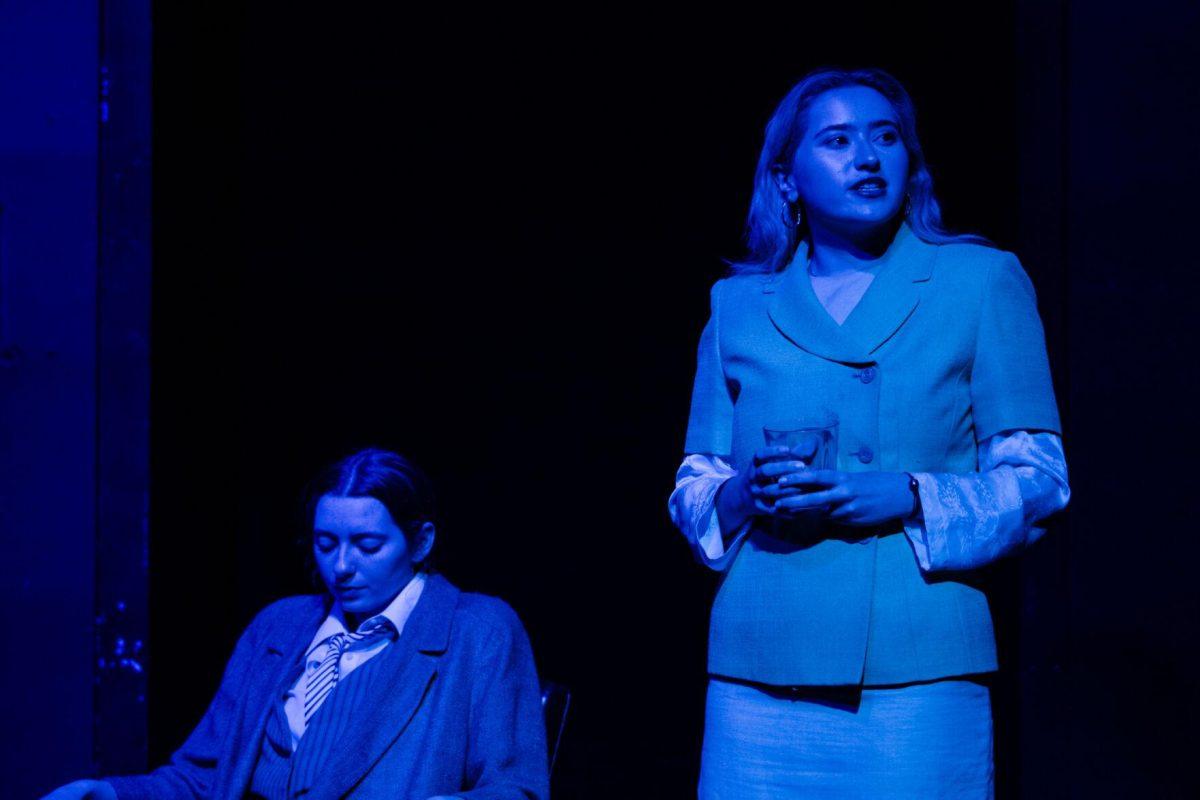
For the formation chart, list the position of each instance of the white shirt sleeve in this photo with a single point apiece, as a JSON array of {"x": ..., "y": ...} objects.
[
  {"x": 693, "y": 509},
  {"x": 971, "y": 520}
]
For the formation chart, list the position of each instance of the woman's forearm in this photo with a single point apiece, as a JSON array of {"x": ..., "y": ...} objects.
[
  {"x": 732, "y": 512},
  {"x": 971, "y": 520},
  {"x": 693, "y": 508}
]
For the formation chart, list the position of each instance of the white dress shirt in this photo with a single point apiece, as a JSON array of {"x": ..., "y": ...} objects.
[{"x": 398, "y": 612}]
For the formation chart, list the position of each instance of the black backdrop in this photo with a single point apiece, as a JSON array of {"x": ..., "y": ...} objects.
[{"x": 486, "y": 240}]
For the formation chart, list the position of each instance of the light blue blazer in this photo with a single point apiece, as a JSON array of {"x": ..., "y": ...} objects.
[{"x": 944, "y": 350}]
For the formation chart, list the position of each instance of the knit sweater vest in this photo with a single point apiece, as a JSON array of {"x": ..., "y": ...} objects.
[{"x": 280, "y": 774}]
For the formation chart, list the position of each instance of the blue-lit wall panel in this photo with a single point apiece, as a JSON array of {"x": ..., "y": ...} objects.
[
  {"x": 48, "y": 238},
  {"x": 123, "y": 389}
]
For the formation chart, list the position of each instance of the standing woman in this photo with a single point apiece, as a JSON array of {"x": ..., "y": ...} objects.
[{"x": 847, "y": 643}]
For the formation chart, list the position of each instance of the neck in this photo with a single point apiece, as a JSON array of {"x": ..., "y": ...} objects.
[
  {"x": 353, "y": 619},
  {"x": 835, "y": 251}
]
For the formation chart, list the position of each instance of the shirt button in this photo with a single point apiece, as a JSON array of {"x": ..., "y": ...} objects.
[
  {"x": 865, "y": 454},
  {"x": 867, "y": 375}
]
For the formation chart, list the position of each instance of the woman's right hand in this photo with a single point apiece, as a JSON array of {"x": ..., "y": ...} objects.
[
  {"x": 84, "y": 790},
  {"x": 754, "y": 489}
]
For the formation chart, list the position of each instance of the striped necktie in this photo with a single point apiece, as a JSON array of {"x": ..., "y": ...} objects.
[{"x": 321, "y": 682}]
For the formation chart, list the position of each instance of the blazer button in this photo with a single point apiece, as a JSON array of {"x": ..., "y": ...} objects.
[
  {"x": 865, "y": 454},
  {"x": 867, "y": 375}
]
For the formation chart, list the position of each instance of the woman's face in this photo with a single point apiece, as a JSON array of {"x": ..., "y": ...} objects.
[
  {"x": 850, "y": 171},
  {"x": 361, "y": 553}
]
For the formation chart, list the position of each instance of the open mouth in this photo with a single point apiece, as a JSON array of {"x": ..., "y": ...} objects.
[{"x": 869, "y": 187}]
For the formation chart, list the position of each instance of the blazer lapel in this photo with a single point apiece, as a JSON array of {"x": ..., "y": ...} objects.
[
  {"x": 400, "y": 686},
  {"x": 888, "y": 303},
  {"x": 281, "y": 651},
  {"x": 895, "y": 293}
]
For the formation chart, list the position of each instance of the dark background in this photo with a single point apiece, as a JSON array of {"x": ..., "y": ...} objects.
[
  {"x": 486, "y": 239},
  {"x": 487, "y": 244}
]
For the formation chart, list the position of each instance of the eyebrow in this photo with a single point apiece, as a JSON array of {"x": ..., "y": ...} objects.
[{"x": 845, "y": 126}]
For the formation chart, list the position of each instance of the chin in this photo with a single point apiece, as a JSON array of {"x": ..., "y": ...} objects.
[
  {"x": 361, "y": 606},
  {"x": 859, "y": 223},
  {"x": 874, "y": 217}
]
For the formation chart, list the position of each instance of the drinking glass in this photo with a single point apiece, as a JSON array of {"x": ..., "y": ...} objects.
[{"x": 816, "y": 435}]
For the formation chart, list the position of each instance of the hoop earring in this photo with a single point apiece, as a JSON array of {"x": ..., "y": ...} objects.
[
  {"x": 907, "y": 206},
  {"x": 790, "y": 220}
]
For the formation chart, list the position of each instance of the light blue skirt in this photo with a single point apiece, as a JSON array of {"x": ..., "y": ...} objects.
[{"x": 928, "y": 741}]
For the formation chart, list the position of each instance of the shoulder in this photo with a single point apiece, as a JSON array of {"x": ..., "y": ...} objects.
[
  {"x": 277, "y": 620},
  {"x": 977, "y": 261},
  {"x": 735, "y": 291},
  {"x": 287, "y": 612},
  {"x": 487, "y": 629},
  {"x": 985, "y": 270},
  {"x": 739, "y": 283},
  {"x": 481, "y": 614}
]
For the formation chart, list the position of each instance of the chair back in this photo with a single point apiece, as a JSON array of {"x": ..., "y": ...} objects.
[{"x": 556, "y": 701}]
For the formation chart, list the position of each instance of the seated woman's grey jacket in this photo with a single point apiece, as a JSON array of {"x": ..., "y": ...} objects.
[{"x": 454, "y": 709}]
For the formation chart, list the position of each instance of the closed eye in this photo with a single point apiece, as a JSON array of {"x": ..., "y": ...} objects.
[{"x": 368, "y": 543}]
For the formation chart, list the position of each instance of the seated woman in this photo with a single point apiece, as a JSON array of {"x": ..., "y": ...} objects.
[{"x": 392, "y": 684}]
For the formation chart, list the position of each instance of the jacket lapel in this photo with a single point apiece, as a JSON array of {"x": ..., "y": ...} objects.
[
  {"x": 403, "y": 682},
  {"x": 894, "y": 294},
  {"x": 282, "y": 649},
  {"x": 888, "y": 303}
]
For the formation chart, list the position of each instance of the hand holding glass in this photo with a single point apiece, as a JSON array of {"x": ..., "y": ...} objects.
[
  {"x": 811, "y": 444},
  {"x": 812, "y": 441}
]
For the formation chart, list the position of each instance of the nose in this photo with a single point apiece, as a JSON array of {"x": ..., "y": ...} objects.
[
  {"x": 865, "y": 156},
  {"x": 343, "y": 565}
]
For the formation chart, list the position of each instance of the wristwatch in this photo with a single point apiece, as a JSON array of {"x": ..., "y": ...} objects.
[{"x": 915, "y": 488}]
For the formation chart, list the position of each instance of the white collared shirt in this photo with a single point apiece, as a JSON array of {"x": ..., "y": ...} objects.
[{"x": 398, "y": 611}]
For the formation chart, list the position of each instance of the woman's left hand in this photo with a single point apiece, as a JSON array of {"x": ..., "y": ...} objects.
[{"x": 848, "y": 498}]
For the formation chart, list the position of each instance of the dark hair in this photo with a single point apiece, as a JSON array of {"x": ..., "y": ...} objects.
[
  {"x": 403, "y": 488},
  {"x": 770, "y": 241}
]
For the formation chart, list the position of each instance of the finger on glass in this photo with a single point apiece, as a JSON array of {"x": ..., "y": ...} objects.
[
  {"x": 810, "y": 478},
  {"x": 811, "y": 438},
  {"x": 806, "y": 501},
  {"x": 765, "y": 455}
]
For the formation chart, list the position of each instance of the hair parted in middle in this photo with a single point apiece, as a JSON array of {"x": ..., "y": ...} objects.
[{"x": 403, "y": 488}]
